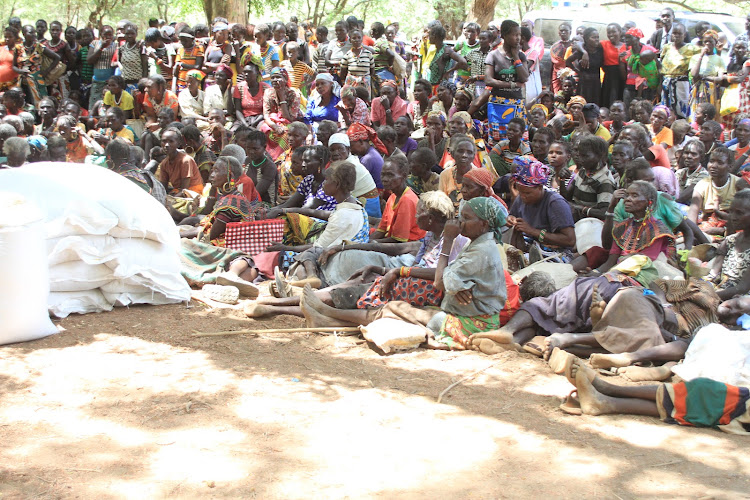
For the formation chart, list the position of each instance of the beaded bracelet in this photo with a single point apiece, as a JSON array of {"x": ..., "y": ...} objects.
[
  {"x": 541, "y": 235},
  {"x": 405, "y": 272}
]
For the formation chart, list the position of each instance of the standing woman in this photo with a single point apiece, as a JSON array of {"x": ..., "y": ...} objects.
[
  {"x": 219, "y": 50},
  {"x": 358, "y": 65},
  {"x": 440, "y": 64},
  {"x": 57, "y": 44},
  {"x": 133, "y": 58},
  {"x": 613, "y": 84},
  {"x": 248, "y": 94},
  {"x": 505, "y": 74},
  {"x": 189, "y": 56},
  {"x": 704, "y": 72},
  {"x": 737, "y": 74},
  {"x": 280, "y": 108},
  {"x": 268, "y": 53},
  {"x": 557, "y": 55},
  {"x": 8, "y": 75},
  {"x": 589, "y": 79},
  {"x": 28, "y": 63},
  {"x": 675, "y": 67},
  {"x": 420, "y": 107},
  {"x": 534, "y": 57}
]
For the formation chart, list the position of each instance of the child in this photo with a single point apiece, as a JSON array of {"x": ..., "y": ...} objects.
[
  {"x": 617, "y": 118},
  {"x": 593, "y": 185},
  {"x": 152, "y": 138},
  {"x": 114, "y": 120},
  {"x": 78, "y": 144},
  {"x": 622, "y": 153},
  {"x": 57, "y": 147},
  {"x": 403, "y": 127},
  {"x": 422, "y": 178},
  {"x": 116, "y": 96},
  {"x": 506, "y": 150},
  {"x": 300, "y": 74},
  {"x": 559, "y": 158}
]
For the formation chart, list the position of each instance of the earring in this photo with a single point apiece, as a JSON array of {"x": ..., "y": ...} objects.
[{"x": 227, "y": 187}]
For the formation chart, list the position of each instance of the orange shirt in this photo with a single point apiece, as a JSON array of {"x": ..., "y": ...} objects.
[
  {"x": 183, "y": 166},
  {"x": 76, "y": 151},
  {"x": 400, "y": 219},
  {"x": 664, "y": 136}
]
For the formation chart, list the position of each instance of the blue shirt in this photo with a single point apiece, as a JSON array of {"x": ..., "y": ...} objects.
[
  {"x": 373, "y": 162},
  {"x": 317, "y": 113}
]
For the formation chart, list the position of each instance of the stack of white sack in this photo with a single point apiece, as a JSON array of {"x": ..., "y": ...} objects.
[{"x": 109, "y": 243}]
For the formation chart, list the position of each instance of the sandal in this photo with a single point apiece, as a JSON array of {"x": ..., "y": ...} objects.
[
  {"x": 246, "y": 288},
  {"x": 283, "y": 289},
  {"x": 535, "y": 346},
  {"x": 571, "y": 405}
]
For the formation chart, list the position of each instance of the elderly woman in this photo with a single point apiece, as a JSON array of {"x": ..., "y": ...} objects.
[
  {"x": 706, "y": 70},
  {"x": 324, "y": 105},
  {"x": 352, "y": 108},
  {"x": 280, "y": 107},
  {"x": 540, "y": 217},
  {"x": 389, "y": 107},
  {"x": 380, "y": 280},
  {"x": 473, "y": 285},
  {"x": 16, "y": 151},
  {"x": 191, "y": 99},
  {"x": 364, "y": 189},
  {"x": 248, "y": 94}
]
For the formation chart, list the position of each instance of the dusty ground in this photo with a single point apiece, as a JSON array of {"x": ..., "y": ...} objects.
[{"x": 128, "y": 404}]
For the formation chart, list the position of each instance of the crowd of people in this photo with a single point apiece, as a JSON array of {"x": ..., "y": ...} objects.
[{"x": 409, "y": 179}]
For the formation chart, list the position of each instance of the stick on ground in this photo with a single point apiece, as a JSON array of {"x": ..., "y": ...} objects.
[
  {"x": 351, "y": 330},
  {"x": 467, "y": 377}
]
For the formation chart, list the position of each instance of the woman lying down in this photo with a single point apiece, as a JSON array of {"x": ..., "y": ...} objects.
[{"x": 473, "y": 285}]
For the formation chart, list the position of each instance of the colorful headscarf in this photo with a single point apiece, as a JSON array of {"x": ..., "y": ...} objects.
[
  {"x": 359, "y": 132},
  {"x": 254, "y": 59},
  {"x": 713, "y": 34},
  {"x": 437, "y": 113},
  {"x": 281, "y": 71},
  {"x": 465, "y": 116},
  {"x": 389, "y": 83},
  {"x": 227, "y": 70},
  {"x": 530, "y": 172},
  {"x": 348, "y": 91},
  {"x": 635, "y": 32},
  {"x": 490, "y": 210},
  {"x": 576, "y": 99},
  {"x": 464, "y": 92},
  {"x": 447, "y": 84},
  {"x": 483, "y": 177},
  {"x": 198, "y": 75},
  {"x": 661, "y": 107},
  {"x": 540, "y": 106}
]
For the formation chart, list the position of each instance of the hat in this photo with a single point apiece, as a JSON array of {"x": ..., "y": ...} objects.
[
  {"x": 339, "y": 138},
  {"x": 185, "y": 34},
  {"x": 167, "y": 31},
  {"x": 324, "y": 77},
  {"x": 220, "y": 27},
  {"x": 590, "y": 109},
  {"x": 635, "y": 32}
]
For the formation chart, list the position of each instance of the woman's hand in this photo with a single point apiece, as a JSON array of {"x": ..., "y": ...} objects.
[
  {"x": 276, "y": 246},
  {"x": 618, "y": 195},
  {"x": 452, "y": 229},
  {"x": 385, "y": 102},
  {"x": 387, "y": 282},
  {"x": 526, "y": 228},
  {"x": 363, "y": 273},
  {"x": 464, "y": 297},
  {"x": 274, "y": 213},
  {"x": 323, "y": 259}
]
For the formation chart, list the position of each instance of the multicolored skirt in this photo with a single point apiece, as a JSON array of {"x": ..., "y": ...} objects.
[
  {"x": 500, "y": 111},
  {"x": 417, "y": 292},
  {"x": 301, "y": 229},
  {"x": 456, "y": 330},
  {"x": 703, "y": 402}
]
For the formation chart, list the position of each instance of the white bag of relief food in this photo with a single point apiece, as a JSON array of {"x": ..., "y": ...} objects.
[{"x": 394, "y": 335}]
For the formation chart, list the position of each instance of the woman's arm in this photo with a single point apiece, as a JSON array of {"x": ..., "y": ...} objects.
[
  {"x": 55, "y": 61},
  {"x": 238, "y": 113},
  {"x": 198, "y": 64},
  {"x": 695, "y": 206},
  {"x": 609, "y": 264},
  {"x": 310, "y": 212},
  {"x": 452, "y": 229}
]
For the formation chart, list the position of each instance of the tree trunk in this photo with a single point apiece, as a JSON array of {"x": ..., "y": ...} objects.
[
  {"x": 482, "y": 12},
  {"x": 451, "y": 14},
  {"x": 234, "y": 10}
]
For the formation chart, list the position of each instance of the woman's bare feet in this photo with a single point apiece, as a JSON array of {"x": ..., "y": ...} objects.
[
  {"x": 560, "y": 340},
  {"x": 610, "y": 360},
  {"x": 597, "y": 306},
  {"x": 642, "y": 374},
  {"x": 592, "y": 401},
  {"x": 490, "y": 347},
  {"x": 313, "y": 281},
  {"x": 255, "y": 310},
  {"x": 317, "y": 314}
]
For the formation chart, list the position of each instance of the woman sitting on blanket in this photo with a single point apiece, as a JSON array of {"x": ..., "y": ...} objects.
[
  {"x": 348, "y": 222},
  {"x": 473, "y": 285},
  {"x": 433, "y": 211}
]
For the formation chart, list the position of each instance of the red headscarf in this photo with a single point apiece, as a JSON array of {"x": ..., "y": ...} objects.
[
  {"x": 359, "y": 132},
  {"x": 484, "y": 178}
]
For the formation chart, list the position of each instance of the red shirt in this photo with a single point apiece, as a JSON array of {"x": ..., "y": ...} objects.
[{"x": 400, "y": 219}]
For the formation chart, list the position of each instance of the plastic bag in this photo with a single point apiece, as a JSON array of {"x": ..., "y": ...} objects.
[{"x": 730, "y": 101}]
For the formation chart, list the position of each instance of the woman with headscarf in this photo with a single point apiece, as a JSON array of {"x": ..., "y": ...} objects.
[
  {"x": 191, "y": 99},
  {"x": 389, "y": 107},
  {"x": 705, "y": 68},
  {"x": 323, "y": 105},
  {"x": 473, "y": 285},
  {"x": 280, "y": 107},
  {"x": 445, "y": 92},
  {"x": 365, "y": 144},
  {"x": 540, "y": 217},
  {"x": 352, "y": 108},
  {"x": 248, "y": 94},
  {"x": 478, "y": 182}
]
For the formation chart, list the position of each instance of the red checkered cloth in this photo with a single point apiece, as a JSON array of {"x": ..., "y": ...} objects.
[{"x": 253, "y": 237}]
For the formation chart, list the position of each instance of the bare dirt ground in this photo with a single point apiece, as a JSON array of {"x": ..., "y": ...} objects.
[{"x": 128, "y": 404}]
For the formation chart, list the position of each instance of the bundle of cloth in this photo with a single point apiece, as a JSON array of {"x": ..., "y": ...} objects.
[{"x": 109, "y": 243}]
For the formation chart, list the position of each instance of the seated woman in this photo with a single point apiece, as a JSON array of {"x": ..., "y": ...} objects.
[
  {"x": 248, "y": 94},
  {"x": 307, "y": 210},
  {"x": 258, "y": 163},
  {"x": 690, "y": 169},
  {"x": 347, "y": 223},
  {"x": 191, "y": 99},
  {"x": 422, "y": 179},
  {"x": 398, "y": 225},
  {"x": 114, "y": 128},
  {"x": 541, "y": 218},
  {"x": 404, "y": 127},
  {"x": 700, "y": 402},
  {"x": 117, "y": 97},
  {"x": 352, "y": 108},
  {"x": 473, "y": 285},
  {"x": 593, "y": 185},
  {"x": 713, "y": 195},
  {"x": 559, "y": 156},
  {"x": 389, "y": 107},
  {"x": 364, "y": 287},
  {"x": 290, "y": 169},
  {"x": 365, "y": 144},
  {"x": 281, "y": 105},
  {"x": 158, "y": 98},
  {"x": 364, "y": 189},
  {"x": 451, "y": 178},
  {"x": 219, "y": 95},
  {"x": 323, "y": 105},
  {"x": 178, "y": 170}
]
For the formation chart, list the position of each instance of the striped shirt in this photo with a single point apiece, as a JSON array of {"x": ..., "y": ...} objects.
[
  {"x": 358, "y": 65},
  {"x": 594, "y": 190},
  {"x": 297, "y": 73}
]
